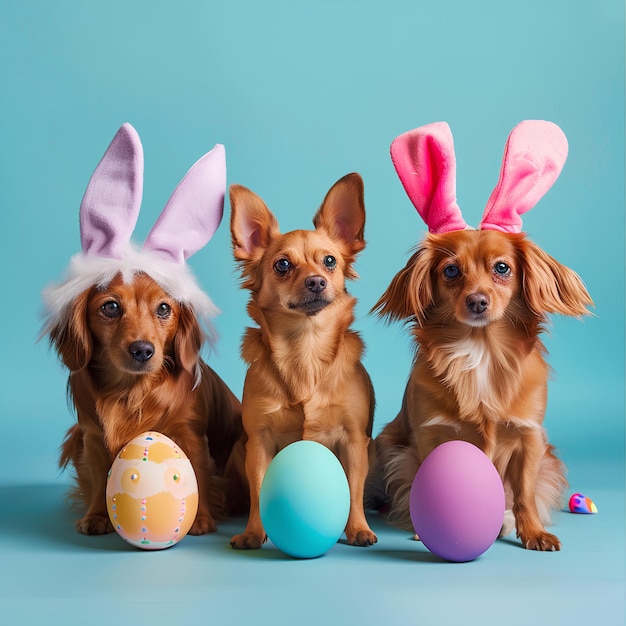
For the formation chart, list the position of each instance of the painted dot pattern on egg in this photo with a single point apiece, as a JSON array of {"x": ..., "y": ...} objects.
[{"x": 152, "y": 493}]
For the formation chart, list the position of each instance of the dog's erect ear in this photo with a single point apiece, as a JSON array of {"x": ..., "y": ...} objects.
[
  {"x": 410, "y": 293},
  {"x": 252, "y": 224},
  {"x": 71, "y": 337},
  {"x": 342, "y": 214},
  {"x": 187, "y": 341},
  {"x": 548, "y": 286}
]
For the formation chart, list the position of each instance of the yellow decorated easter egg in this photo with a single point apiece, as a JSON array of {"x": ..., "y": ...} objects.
[{"x": 152, "y": 492}]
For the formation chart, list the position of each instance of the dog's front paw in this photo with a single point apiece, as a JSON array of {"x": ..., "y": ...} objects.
[
  {"x": 363, "y": 537},
  {"x": 203, "y": 525},
  {"x": 248, "y": 541},
  {"x": 543, "y": 541},
  {"x": 94, "y": 525}
]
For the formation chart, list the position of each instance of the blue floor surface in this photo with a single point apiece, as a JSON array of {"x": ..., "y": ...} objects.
[{"x": 50, "y": 574}]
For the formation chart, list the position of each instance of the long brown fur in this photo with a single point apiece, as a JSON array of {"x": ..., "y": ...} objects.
[
  {"x": 305, "y": 379},
  {"x": 118, "y": 397},
  {"x": 480, "y": 373}
]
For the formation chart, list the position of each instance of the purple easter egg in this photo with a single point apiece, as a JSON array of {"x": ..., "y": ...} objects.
[{"x": 457, "y": 502}]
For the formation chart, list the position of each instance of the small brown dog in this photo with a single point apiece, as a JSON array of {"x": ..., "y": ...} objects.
[
  {"x": 130, "y": 323},
  {"x": 305, "y": 378},
  {"x": 134, "y": 357},
  {"x": 477, "y": 301}
]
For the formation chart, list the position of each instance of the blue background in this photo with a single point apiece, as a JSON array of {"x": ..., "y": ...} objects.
[{"x": 301, "y": 94}]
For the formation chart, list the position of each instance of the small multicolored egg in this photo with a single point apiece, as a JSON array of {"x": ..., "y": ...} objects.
[
  {"x": 580, "y": 503},
  {"x": 152, "y": 492}
]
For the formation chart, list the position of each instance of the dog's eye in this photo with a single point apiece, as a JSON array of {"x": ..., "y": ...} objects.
[
  {"x": 502, "y": 269},
  {"x": 451, "y": 271},
  {"x": 330, "y": 262},
  {"x": 110, "y": 308},
  {"x": 164, "y": 310},
  {"x": 282, "y": 266}
]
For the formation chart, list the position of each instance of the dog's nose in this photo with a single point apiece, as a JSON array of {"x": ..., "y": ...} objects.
[
  {"x": 477, "y": 302},
  {"x": 315, "y": 283},
  {"x": 141, "y": 350}
]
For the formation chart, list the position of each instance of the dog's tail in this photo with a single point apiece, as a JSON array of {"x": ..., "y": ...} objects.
[
  {"x": 71, "y": 452},
  {"x": 72, "y": 447}
]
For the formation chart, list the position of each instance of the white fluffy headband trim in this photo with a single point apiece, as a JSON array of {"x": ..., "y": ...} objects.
[{"x": 87, "y": 271}]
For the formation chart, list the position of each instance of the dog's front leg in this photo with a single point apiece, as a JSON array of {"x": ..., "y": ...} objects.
[
  {"x": 350, "y": 443},
  {"x": 355, "y": 460},
  {"x": 92, "y": 470},
  {"x": 202, "y": 465},
  {"x": 523, "y": 472},
  {"x": 258, "y": 458}
]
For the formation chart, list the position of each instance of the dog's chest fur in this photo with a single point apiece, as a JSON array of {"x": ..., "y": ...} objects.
[
  {"x": 470, "y": 361},
  {"x": 480, "y": 372},
  {"x": 142, "y": 407},
  {"x": 315, "y": 359}
]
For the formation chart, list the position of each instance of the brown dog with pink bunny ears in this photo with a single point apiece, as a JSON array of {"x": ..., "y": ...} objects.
[{"x": 477, "y": 302}]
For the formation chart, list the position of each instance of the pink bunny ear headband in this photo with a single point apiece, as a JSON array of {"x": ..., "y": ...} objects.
[
  {"x": 534, "y": 156},
  {"x": 109, "y": 212}
]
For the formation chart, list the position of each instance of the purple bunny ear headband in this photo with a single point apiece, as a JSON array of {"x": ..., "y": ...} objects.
[
  {"x": 109, "y": 212},
  {"x": 424, "y": 159}
]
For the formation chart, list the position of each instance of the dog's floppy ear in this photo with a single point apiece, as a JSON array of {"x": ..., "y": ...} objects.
[
  {"x": 342, "y": 214},
  {"x": 548, "y": 286},
  {"x": 71, "y": 337},
  {"x": 188, "y": 340},
  {"x": 410, "y": 293},
  {"x": 252, "y": 224}
]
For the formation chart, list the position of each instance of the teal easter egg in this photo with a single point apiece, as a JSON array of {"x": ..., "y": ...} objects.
[{"x": 304, "y": 500}]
